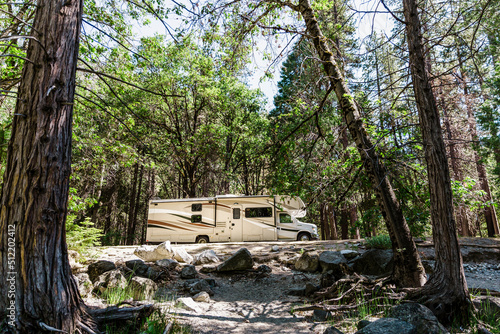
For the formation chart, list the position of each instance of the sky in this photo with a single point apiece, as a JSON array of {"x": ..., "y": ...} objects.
[{"x": 366, "y": 22}]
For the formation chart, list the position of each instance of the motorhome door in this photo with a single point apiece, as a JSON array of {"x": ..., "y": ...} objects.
[{"x": 236, "y": 223}]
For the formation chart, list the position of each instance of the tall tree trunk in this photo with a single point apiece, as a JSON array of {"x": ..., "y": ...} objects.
[
  {"x": 131, "y": 207},
  {"x": 408, "y": 270},
  {"x": 137, "y": 207},
  {"x": 353, "y": 215},
  {"x": 446, "y": 291},
  {"x": 37, "y": 288}
]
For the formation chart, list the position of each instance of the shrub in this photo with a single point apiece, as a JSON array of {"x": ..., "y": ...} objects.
[{"x": 380, "y": 241}]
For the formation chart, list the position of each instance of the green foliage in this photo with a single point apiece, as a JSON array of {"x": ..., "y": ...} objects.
[{"x": 381, "y": 241}]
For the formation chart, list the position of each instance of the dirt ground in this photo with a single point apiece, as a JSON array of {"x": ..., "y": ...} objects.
[{"x": 245, "y": 303}]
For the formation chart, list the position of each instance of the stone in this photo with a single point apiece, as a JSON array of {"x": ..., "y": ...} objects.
[
  {"x": 199, "y": 286},
  {"x": 169, "y": 264},
  {"x": 334, "y": 261},
  {"x": 203, "y": 297},
  {"x": 98, "y": 268},
  {"x": 84, "y": 284},
  {"x": 164, "y": 250},
  {"x": 142, "y": 288},
  {"x": 241, "y": 260},
  {"x": 363, "y": 323},
  {"x": 376, "y": 262},
  {"x": 206, "y": 269},
  {"x": 321, "y": 315},
  {"x": 148, "y": 253},
  {"x": 181, "y": 255},
  {"x": 327, "y": 279},
  {"x": 332, "y": 330},
  {"x": 275, "y": 248},
  {"x": 139, "y": 268},
  {"x": 189, "y": 304},
  {"x": 488, "y": 305},
  {"x": 388, "y": 326},
  {"x": 349, "y": 254},
  {"x": 113, "y": 279},
  {"x": 205, "y": 257},
  {"x": 264, "y": 269},
  {"x": 422, "y": 318},
  {"x": 308, "y": 261},
  {"x": 189, "y": 271},
  {"x": 310, "y": 289}
]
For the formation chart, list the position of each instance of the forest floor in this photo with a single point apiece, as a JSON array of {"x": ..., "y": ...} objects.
[{"x": 252, "y": 303}]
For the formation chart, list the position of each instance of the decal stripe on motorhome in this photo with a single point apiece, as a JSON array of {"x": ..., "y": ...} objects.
[
  {"x": 167, "y": 224},
  {"x": 289, "y": 229},
  {"x": 156, "y": 226}
]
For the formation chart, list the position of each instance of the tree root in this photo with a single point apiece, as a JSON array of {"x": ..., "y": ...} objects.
[{"x": 115, "y": 313}]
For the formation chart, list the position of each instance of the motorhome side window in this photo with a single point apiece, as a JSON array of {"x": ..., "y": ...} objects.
[
  {"x": 196, "y": 207},
  {"x": 196, "y": 219},
  {"x": 236, "y": 213},
  {"x": 258, "y": 212},
  {"x": 285, "y": 218}
]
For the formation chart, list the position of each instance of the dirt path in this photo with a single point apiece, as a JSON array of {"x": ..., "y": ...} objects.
[{"x": 244, "y": 303}]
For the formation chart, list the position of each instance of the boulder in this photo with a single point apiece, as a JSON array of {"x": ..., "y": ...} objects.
[
  {"x": 310, "y": 289},
  {"x": 98, "y": 268},
  {"x": 208, "y": 268},
  {"x": 422, "y": 318},
  {"x": 388, "y": 326},
  {"x": 376, "y": 262},
  {"x": 363, "y": 323},
  {"x": 308, "y": 261},
  {"x": 327, "y": 279},
  {"x": 275, "y": 248},
  {"x": 198, "y": 286},
  {"x": 264, "y": 269},
  {"x": 321, "y": 315},
  {"x": 84, "y": 284},
  {"x": 203, "y": 297},
  {"x": 113, "y": 279},
  {"x": 335, "y": 262},
  {"x": 189, "y": 304},
  {"x": 181, "y": 255},
  {"x": 189, "y": 271},
  {"x": 349, "y": 254},
  {"x": 169, "y": 264},
  {"x": 207, "y": 256},
  {"x": 139, "y": 268},
  {"x": 487, "y": 305},
  {"x": 241, "y": 260},
  {"x": 332, "y": 330},
  {"x": 164, "y": 250},
  {"x": 142, "y": 288},
  {"x": 148, "y": 253}
]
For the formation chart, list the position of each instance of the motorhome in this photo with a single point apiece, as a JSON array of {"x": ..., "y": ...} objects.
[{"x": 228, "y": 218}]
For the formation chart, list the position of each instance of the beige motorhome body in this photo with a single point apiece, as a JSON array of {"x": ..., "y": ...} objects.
[{"x": 228, "y": 218}]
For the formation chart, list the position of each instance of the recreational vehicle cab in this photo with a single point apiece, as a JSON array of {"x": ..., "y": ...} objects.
[{"x": 228, "y": 218}]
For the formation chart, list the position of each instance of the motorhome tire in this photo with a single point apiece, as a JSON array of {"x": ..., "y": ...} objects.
[
  {"x": 304, "y": 236},
  {"x": 202, "y": 239}
]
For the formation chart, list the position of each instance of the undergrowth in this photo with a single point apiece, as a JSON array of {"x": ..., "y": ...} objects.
[{"x": 380, "y": 242}]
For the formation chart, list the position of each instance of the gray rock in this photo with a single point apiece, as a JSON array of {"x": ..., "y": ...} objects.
[
  {"x": 113, "y": 279},
  {"x": 84, "y": 284},
  {"x": 388, "y": 326},
  {"x": 199, "y": 286},
  {"x": 203, "y": 297},
  {"x": 327, "y": 279},
  {"x": 264, "y": 269},
  {"x": 207, "y": 256},
  {"x": 189, "y": 304},
  {"x": 142, "y": 288},
  {"x": 310, "y": 289},
  {"x": 363, "y": 323},
  {"x": 98, "y": 268},
  {"x": 241, "y": 260},
  {"x": 170, "y": 264},
  {"x": 140, "y": 268},
  {"x": 148, "y": 253},
  {"x": 335, "y": 262},
  {"x": 208, "y": 269},
  {"x": 189, "y": 271},
  {"x": 275, "y": 248},
  {"x": 349, "y": 253},
  {"x": 487, "y": 305},
  {"x": 181, "y": 255},
  {"x": 377, "y": 262},
  {"x": 419, "y": 316},
  {"x": 332, "y": 330},
  {"x": 321, "y": 315},
  {"x": 308, "y": 261},
  {"x": 164, "y": 250}
]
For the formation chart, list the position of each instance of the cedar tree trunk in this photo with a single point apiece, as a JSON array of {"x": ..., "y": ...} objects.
[
  {"x": 41, "y": 290},
  {"x": 408, "y": 270},
  {"x": 446, "y": 291}
]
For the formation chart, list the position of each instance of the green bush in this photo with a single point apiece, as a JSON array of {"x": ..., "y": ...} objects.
[
  {"x": 81, "y": 236},
  {"x": 380, "y": 242}
]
